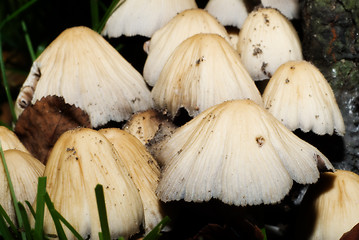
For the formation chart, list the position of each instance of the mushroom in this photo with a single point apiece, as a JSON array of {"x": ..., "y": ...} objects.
[
  {"x": 238, "y": 153},
  {"x": 81, "y": 159},
  {"x": 141, "y": 17},
  {"x": 330, "y": 207},
  {"x": 145, "y": 125},
  {"x": 84, "y": 69},
  {"x": 266, "y": 41},
  {"x": 144, "y": 170},
  {"x": 9, "y": 140},
  {"x": 299, "y": 96},
  {"x": 167, "y": 38},
  {"x": 228, "y": 12},
  {"x": 289, "y": 8},
  {"x": 204, "y": 70},
  {"x": 24, "y": 171}
]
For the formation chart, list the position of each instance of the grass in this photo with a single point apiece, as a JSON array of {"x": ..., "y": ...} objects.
[{"x": 22, "y": 228}]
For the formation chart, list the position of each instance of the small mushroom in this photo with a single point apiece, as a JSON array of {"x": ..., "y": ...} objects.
[
  {"x": 228, "y": 12},
  {"x": 238, "y": 153},
  {"x": 167, "y": 38},
  {"x": 145, "y": 125},
  {"x": 84, "y": 69},
  {"x": 204, "y": 70},
  {"x": 9, "y": 140},
  {"x": 266, "y": 41},
  {"x": 24, "y": 171},
  {"x": 141, "y": 17},
  {"x": 330, "y": 207},
  {"x": 81, "y": 159},
  {"x": 144, "y": 170},
  {"x": 289, "y": 8},
  {"x": 299, "y": 96}
]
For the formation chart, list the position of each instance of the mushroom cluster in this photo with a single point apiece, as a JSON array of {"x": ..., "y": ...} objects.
[{"x": 237, "y": 146}]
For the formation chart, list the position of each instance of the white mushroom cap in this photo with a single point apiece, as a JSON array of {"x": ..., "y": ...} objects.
[
  {"x": 300, "y": 97},
  {"x": 228, "y": 12},
  {"x": 289, "y": 8},
  {"x": 238, "y": 153},
  {"x": 145, "y": 125},
  {"x": 330, "y": 207},
  {"x": 9, "y": 140},
  {"x": 143, "y": 17},
  {"x": 204, "y": 70},
  {"x": 144, "y": 170},
  {"x": 84, "y": 69},
  {"x": 266, "y": 41},
  {"x": 24, "y": 170},
  {"x": 81, "y": 159},
  {"x": 179, "y": 28}
]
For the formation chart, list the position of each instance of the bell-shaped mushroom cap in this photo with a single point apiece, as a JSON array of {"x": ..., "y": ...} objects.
[
  {"x": 81, "y": 159},
  {"x": 228, "y": 12},
  {"x": 289, "y": 8},
  {"x": 24, "y": 170},
  {"x": 266, "y": 41},
  {"x": 144, "y": 170},
  {"x": 9, "y": 140},
  {"x": 145, "y": 125},
  {"x": 238, "y": 153},
  {"x": 204, "y": 70},
  {"x": 142, "y": 17},
  {"x": 179, "y": 28},
  {"x": 330, "y": 207},
  {"x": 84, "y": 69},
  {"x": 300, "y": 97}
]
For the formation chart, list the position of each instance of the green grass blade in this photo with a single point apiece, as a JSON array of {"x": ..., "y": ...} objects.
[
  {"x": 69, "y": 226},
  {"x": 7, "y": 219},
  {"x": 4, "y": 230},
  {"x": 25, "y": 219},
  {"x": 40, "y": 208},
  {"x": 101, "y": 206},
  {"x": 16, "y": 13},
  {"x": 5, "y": 125},
  {"x": 5, "y": 82},
  {"x": 156, "y": 231},
  {"x": 28, "y": 41},
  {"x": 12, "y": 192},
  {"x": 94, "y": 13},
  {"x": 100, "y": 236},
  {"x": 31, "y": 208},
  {"x": 263, "y": 230},
  {"x": 60, "y": 231},
  {"x": 114, "y": 5}
]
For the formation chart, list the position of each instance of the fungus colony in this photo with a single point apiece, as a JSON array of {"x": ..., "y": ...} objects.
[{"x": 237, "y": 148}]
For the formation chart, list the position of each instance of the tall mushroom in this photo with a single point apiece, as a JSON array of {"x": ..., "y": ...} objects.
[
  {"x": 144, "y": 170},
  {"x": 9, "y": 140},
  {"x": 330, "y": 207},
  {"x": 228, "y": 12},
  {"x": 204, "y": 70},
  {"x": 266, "y": 41},
  {"x": 167, "y": 38},
  {"x": 289, "y": 8},
  {"x": 299, "y": 96},
  {"x": 238, "y": 153},
  {"x": 24, "y": 171},
  {"x": 142, "y": 17},
  {"x": 81, "y": 159},
  {"x": 84, "y": 69}
]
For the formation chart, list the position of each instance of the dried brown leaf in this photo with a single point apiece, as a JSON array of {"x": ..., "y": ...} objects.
[
  {"x": 41, "y": 124},
  {"x": 352, "y": 234}
]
